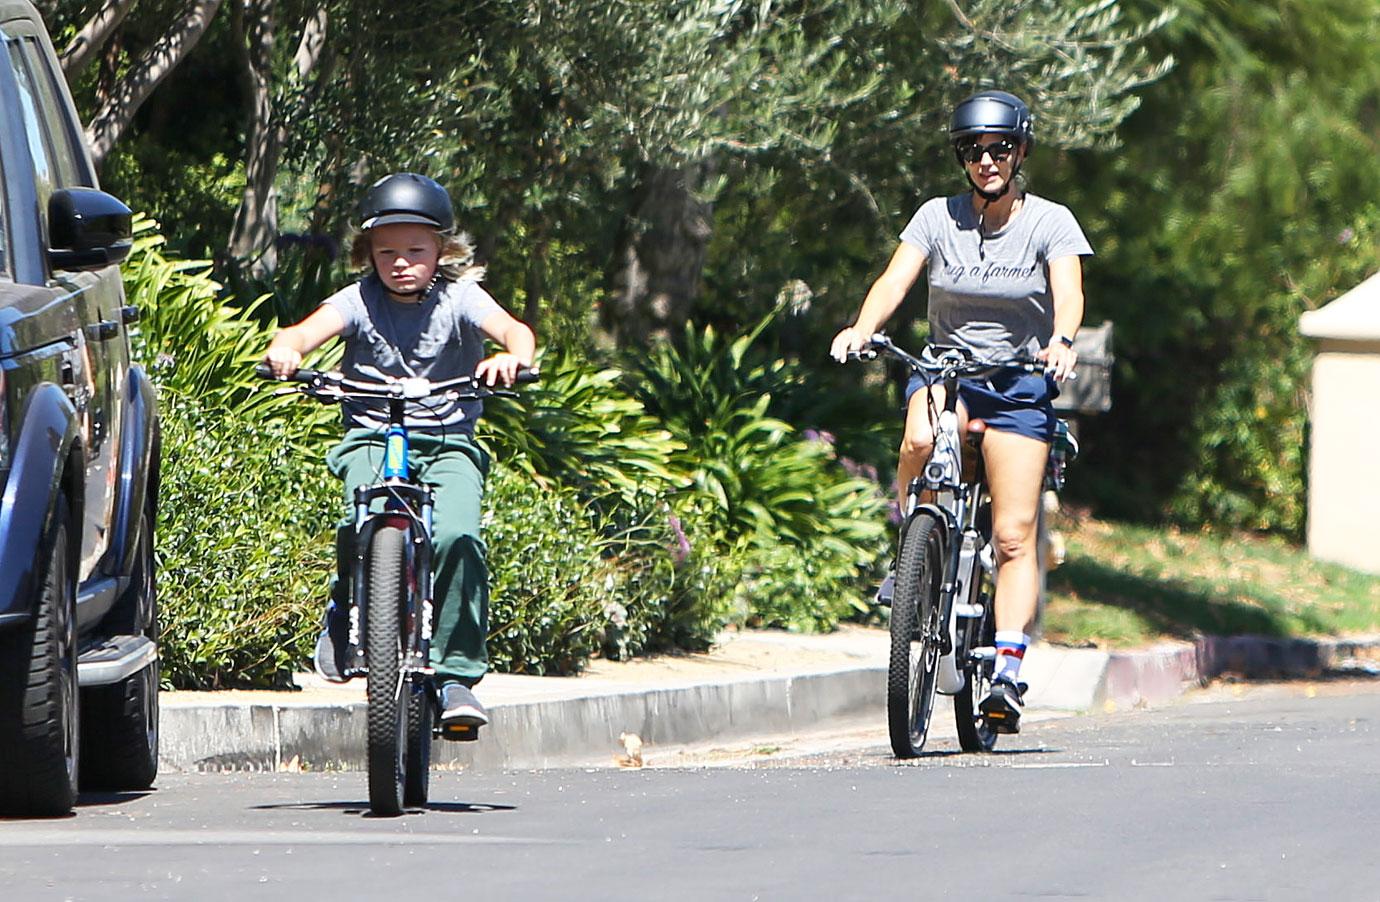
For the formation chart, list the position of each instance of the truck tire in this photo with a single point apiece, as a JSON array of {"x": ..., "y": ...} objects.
[
  {"x": 39, "y": 719},
  {"x": 120, "y": 722}
]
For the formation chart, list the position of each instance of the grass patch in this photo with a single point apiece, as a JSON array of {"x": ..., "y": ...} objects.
[{"x": 1124, "y": 585}]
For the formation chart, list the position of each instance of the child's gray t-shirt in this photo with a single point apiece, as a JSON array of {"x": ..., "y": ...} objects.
[
  {"x": 439, "y": 338},
  {"x": 990, "y": 293}
]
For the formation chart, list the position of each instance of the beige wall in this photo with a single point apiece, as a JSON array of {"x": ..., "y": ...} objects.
[{"x": 1344, "y": 458}]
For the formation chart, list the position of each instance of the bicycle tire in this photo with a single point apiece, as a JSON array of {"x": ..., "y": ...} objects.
[
  {"x": 914, "y": 662},
  {"x": 420, "y": 714},
  {"x": 974, "y": 734},
  {"x": 385, "y": 574}
]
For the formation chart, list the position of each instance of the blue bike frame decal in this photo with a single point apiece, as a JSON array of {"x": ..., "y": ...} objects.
[{"x": 395, "y": 453}]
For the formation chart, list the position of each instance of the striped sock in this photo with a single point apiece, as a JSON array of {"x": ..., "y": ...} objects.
[{"x": 1010, "y": 651}]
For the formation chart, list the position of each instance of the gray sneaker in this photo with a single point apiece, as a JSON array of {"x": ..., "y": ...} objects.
[
  {"x": 459, "y": 707},
  {"x": 333, "y": 651}
]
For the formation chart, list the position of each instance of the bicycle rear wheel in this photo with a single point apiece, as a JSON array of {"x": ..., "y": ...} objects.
[
  {"x": 915, "y": 634},
  {"x": 420, "y": 714},
  {"x": 386, "y": 579},
  {"x": 974, "y": 735}
]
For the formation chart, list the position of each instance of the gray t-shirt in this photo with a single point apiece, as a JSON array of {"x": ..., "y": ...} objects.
[
  {"x": 439, "y": 338},
  {"x": 990, "y": 293}
]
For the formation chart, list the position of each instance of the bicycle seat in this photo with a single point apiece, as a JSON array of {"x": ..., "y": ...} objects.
[{"x": 976, "y": 426}]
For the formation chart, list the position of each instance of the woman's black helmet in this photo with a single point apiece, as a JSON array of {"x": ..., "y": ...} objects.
[
  {"x": 993, "y": 112},
  {"x": 406, "y": 197}
]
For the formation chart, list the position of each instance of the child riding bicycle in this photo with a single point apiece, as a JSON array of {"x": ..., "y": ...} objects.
[{"x": 418, "y": 311}]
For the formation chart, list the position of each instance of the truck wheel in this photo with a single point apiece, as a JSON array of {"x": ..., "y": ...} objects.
[
  {"x": 39, "y": 728},
  {"x": 120, "y": 735}
]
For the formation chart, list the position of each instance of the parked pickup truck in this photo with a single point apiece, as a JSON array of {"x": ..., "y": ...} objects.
[{"x": 78, "y": 459}]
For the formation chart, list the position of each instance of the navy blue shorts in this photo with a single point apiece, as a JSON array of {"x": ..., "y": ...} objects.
[{"x": 1010, "y": 401}]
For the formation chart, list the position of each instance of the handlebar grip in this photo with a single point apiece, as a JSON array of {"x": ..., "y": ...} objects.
[
  {"x": 263, "y": 371},
  {"x": 527, "y": 375}
]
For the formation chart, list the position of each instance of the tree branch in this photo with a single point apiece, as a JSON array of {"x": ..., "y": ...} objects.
[
  {"x": 114, "y": 116},
  {"x": 93, "y": 36}
]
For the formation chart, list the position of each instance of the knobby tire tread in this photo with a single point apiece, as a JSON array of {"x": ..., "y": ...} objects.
[
  {"x": 35, "y": 713},
  {"x": 385, "y": 575},
  {"x": 120, "y": 739},
  {"x": 420, "y": 714},
  {"x": 911, "y": 689}
]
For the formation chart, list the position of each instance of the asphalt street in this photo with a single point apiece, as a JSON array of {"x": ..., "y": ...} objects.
[{"x": 1238, "y": 793}]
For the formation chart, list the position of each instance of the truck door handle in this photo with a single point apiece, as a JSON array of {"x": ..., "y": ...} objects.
[
  {"x": 104, "y": 330},
  {"x": 129, "y": 314}
]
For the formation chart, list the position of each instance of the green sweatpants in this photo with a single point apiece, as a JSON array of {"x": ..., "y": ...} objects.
[{"x": 455, "y": 467}]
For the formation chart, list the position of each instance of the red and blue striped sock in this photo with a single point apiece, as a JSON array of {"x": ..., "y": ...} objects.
[{"x": 1010, "y": 652}]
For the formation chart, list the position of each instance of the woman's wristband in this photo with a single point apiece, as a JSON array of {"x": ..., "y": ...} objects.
[{"x": 1063, "y": 340}]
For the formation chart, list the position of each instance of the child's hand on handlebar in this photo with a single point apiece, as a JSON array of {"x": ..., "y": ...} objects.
[
  {"x": 502, "y": 367},
  {"x": 283, "y": 361}
]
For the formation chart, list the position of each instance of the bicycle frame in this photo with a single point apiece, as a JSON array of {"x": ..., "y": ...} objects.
[
  {"x": 407, "y": 505},
  {"x": 956, "y": 504}
]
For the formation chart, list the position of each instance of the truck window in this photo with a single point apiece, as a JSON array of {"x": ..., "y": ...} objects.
[
  {"x": 55, "y": 118},
  {"x": 33, "y": 131}
]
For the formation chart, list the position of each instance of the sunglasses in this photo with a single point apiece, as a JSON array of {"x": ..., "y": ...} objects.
[{"x": 971, "y": 150}]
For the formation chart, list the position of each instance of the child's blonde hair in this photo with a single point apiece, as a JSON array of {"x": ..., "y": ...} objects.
[{"x": 455, "y": 263}]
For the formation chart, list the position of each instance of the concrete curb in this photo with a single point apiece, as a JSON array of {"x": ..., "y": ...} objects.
[{"x": 576, "y": 722}]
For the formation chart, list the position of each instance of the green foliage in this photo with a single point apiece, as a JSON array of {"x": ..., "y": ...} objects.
[
  {"x": 579, "y": 427},
  {"x": 772, "y": 498},
  {"x": 568, "y": 583},
  {"x": 195, "y": 345},
  {"x": 244, "y": 547},
  {"x": 1230, "y": 211}
]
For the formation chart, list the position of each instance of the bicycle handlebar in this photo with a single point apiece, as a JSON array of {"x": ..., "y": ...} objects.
[
  {"x": 333, "y": 386},
  {"x": 944, "y": 360}
]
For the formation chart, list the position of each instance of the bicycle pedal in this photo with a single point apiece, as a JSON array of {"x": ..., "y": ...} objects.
[{"x": 458, "y": 732}]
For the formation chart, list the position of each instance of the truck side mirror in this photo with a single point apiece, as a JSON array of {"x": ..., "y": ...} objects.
[{"x": 88, "y": 229}]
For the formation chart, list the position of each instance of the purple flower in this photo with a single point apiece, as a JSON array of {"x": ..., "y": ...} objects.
[
  {"x": 1346, "y": 235},
  {"x": 819, "y": 435}
]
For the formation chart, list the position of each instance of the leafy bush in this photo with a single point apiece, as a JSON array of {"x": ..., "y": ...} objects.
[
  {"x": 771, "y": 498},
  {"x": 581, "y": 428},
  {"x": 194, "y": 344},
  {"x": 244, "y": 547},
  {"x": 568, "y": 583}
]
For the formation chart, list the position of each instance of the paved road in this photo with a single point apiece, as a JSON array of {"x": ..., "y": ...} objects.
[{"x": 1270, "y": 795}]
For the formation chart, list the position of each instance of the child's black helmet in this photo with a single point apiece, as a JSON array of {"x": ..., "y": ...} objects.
[
  {"x": 993, "y": 112},
  {"x": 406, "y": 197}
]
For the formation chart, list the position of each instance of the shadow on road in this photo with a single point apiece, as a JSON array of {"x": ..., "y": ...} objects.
[
  {"x": 93, "y": 799},
  {"x": 362, "y": 808}
]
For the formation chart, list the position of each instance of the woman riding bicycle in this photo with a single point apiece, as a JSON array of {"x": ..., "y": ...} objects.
[
  {"x": 1005, "y": 280},
  {"x": 418, "y": 311}
]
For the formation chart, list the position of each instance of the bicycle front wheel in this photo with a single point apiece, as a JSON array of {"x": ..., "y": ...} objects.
[
  {"x": 915, "y": 634},
  {"x": 386, "y": 579}
]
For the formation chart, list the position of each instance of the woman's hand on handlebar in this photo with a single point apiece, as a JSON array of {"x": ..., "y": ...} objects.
[
  {"x": 1059, "y": 360},
  {"x": 502, "y": 367},
  {"x": 848, "y": 340},
  {"x": 282, "y": 360}
]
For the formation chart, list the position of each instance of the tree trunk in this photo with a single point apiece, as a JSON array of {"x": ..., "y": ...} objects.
[
  {"x": 660, "y": 256},
  {"x": 251, "y": 246},
  {"x": 114, "y": 115},
  {"x": 93, "y": 35}
]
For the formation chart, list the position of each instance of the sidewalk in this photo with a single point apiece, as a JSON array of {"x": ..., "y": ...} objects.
[{"x": 750, "y": 684}]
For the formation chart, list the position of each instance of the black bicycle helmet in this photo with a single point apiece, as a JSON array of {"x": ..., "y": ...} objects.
[
  {"x": 993, "y": 112},
  {"x": 406, "y": 197}
]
